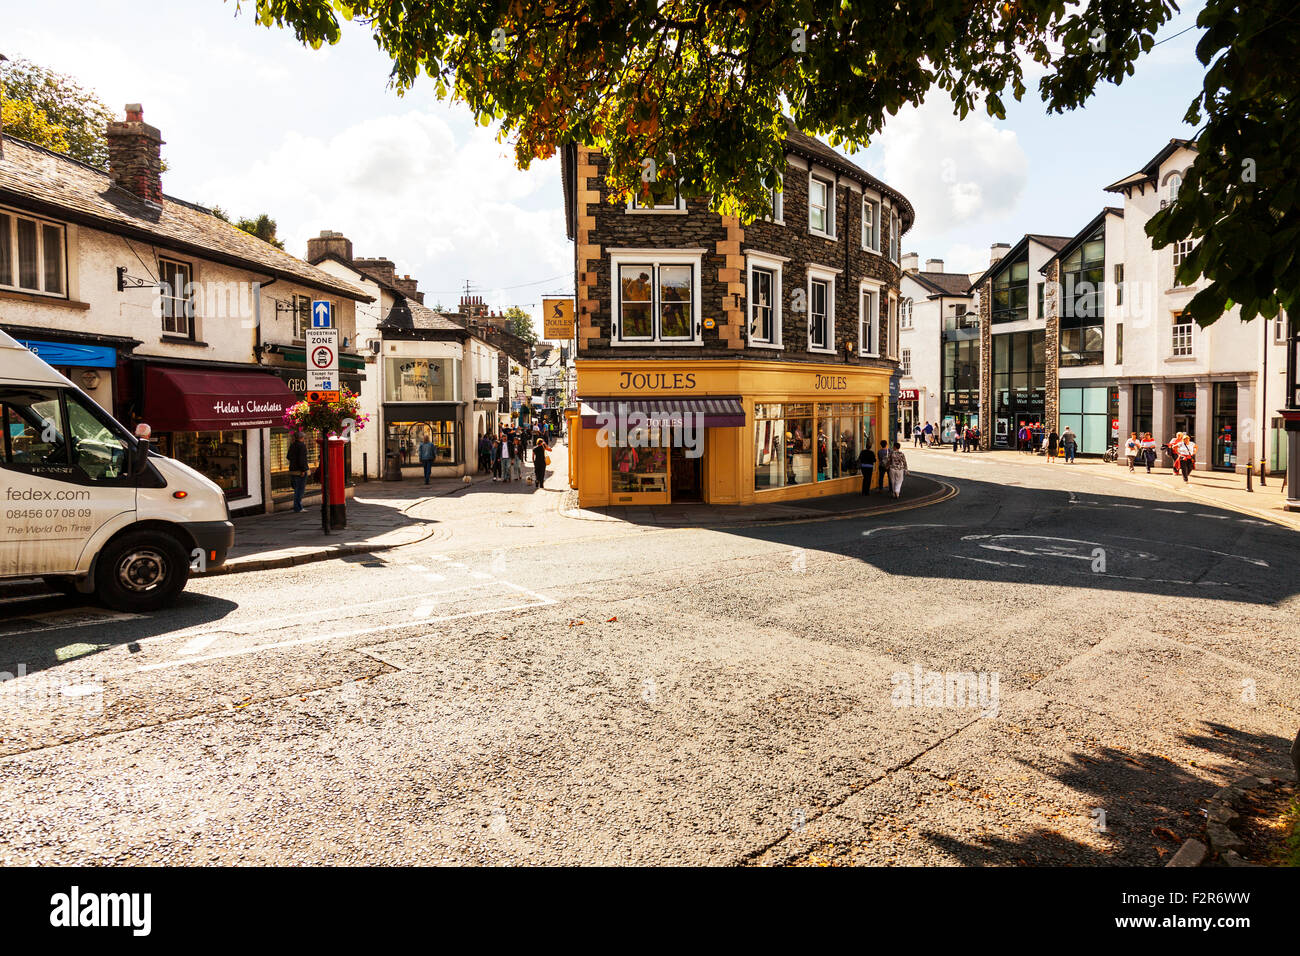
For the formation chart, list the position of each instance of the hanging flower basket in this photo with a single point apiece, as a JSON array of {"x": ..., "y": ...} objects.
[{"x": 337, "y": 419}]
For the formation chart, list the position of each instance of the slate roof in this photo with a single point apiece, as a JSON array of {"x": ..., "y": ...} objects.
[
  {"x": 796, "y": 142},
  {"x": 944, "y": 283},
  {"x": 1055, "y": 243},
  {"x": 49, "y": 183},
  {"x": 407, "y": 315},
  {"x": 1082, "y": 235}
]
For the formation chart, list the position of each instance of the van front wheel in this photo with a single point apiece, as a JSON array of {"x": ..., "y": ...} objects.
[{"x": 141, "y": 571}]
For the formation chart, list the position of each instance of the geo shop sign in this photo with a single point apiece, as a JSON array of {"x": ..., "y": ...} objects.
[{"x": 322, "y": 359}]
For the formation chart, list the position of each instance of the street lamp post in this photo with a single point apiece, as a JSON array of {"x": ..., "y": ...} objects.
[{"x": 1291, "y": 414}]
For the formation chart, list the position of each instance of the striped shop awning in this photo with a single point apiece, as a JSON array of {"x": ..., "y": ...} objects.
[{"x": 724, "y": 412}]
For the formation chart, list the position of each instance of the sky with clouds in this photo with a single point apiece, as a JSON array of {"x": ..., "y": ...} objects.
[{"x": 254, "y": 122}]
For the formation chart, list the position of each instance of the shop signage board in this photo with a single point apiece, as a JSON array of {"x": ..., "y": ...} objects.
[
  {"x": 557, "y": 319},
  {"x": 322, "y": 359}
]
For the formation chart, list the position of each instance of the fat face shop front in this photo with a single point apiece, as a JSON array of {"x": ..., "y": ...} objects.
[{"x": 721, "y": 432}]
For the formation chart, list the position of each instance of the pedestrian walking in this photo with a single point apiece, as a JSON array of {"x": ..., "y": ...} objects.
[
  {"x": 1185, "y": 449},
  {"x": 1132, "y": 448},
  {"x": 1070, "y": 443},
  {"x": 882, "y": 463},
  {"x": 539, "y": 461},
  {"x": 1148, "y": 448},
  {"x": 867, "y": 464},
  {"x": 498, "y": 450},
  {"x": 427, "y": 452},
  {"x": 897, "y": 469},
  {"x": 297, "y": 458},
  {"x": 928, "y": 432},
  {"x": 1053, "y": 440},
  {"x": 916, "y": 435},
  {"x": 517, "y": 459}
]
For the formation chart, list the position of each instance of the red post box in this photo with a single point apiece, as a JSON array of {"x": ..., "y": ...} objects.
[{"x": 335, "y": 494}]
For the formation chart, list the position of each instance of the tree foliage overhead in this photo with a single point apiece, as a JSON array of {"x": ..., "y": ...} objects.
[
  {"x": 25, "y": 120},
  {"x": 57, "y": 100},
  {"x": 1240, "y": 201},
  {"x": 701, "y": 87}
]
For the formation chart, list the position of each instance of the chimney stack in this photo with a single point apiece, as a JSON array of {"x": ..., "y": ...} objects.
[
  {"x": 908, "y": 261},
  {"x": 407, "y": 286},
  {"x": 933, "y": 265},
  {"x": 329, "y": 243},
  {"x": 997, "y": 251},
  {"x": 135, "y": 155},
  {"x": 382, "y": 269}
]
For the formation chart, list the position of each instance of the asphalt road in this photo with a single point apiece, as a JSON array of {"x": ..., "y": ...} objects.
[{"x": 1091, "y": 660}]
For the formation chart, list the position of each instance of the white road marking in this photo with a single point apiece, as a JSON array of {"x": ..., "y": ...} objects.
[
  {"x": 1001, "y": 564},
  {"x": 539, "y": 600},
  {"x": 897, "y": 527},
  {"x": 481, "y": 575},
  {"x": 201, "y": 642}
]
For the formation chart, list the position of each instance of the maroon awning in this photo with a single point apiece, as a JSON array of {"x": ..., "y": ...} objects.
[
  {"x": 666, "y": 412},
  {"x": 189, "y": 400}
]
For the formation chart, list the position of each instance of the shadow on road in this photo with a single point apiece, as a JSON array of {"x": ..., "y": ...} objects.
[{"x": 1000, "y": 534}]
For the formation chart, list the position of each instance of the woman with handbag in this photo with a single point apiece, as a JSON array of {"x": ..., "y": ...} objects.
[
  {"x": 540, "y": 460},
  {"x": 897, "y": 469}
]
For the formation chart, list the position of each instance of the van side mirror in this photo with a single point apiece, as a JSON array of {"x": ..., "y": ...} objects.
[{"x": 140, "y": 457}]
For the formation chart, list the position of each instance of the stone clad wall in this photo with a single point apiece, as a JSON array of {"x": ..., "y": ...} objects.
[
  {"x": 986, "y": 365},
  {"x": 1052, "y": 347},
  {"x": 602, "y": 226}
]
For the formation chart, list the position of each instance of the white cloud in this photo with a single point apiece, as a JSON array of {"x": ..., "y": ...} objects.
[
  {"x": 955, "y": 172},
  {"x": 444, "y": 205}
]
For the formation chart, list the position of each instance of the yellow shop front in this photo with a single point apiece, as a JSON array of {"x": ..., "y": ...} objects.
[{"x": 729, "y": 432}]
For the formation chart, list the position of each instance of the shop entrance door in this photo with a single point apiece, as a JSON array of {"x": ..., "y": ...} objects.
[
  {"x": 1185, "y": 423},
  {"x": 687, "y": 475}
]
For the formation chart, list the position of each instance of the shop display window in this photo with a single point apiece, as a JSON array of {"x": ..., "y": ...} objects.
[
  {"x": 641, "y": 468},
  {"x": 220, "y": 456}
]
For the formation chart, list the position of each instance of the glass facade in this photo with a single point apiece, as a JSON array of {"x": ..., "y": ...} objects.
[
  {"x": 1142, "y": 409},
  {"x": 1011, "y": 292},
  {"x": 219, "y": 456},
  {"x": 422, "y": 380},
  {"x": 1083, "y": 302},
  {"x": 404, "y": 439},
  {"x": 1086, "y": 411},
  {"x": 799, "y": 443},
  {"x": 640, "y": 470},
  {"x": 961, "y": 381},
  {"x": 1226, "y": 452},
  {"x": 1019, "y": 382}
]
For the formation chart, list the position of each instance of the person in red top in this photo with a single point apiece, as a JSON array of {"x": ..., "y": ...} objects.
[{"x": 1184, "y": 450}]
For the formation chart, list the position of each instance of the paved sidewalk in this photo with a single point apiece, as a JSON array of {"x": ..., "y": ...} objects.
[
  {"x": 918, "y": 490},
  {"x": 1220, "y": 488},
  {"x": 381, "y": 515}
]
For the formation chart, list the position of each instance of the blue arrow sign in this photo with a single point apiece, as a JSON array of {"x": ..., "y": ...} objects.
[{"x": 321, "y": 314}]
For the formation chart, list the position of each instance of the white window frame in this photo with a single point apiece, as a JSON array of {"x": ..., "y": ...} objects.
[
  {"x": 895, "y": 235},
  {"x": 776, "y": 195},
  {"x": 871, "y": 239},
  {"x": 773, "y": 264},
  {"x": 905, "y": 364},
  {"x": 1182, "y": 344},
  {"x": 829, "y": 182},
  {"x": 40, "y": 224},
  {"x": 871, "y": 317},
  {"x": 678, "y": 208},
  {"x": 1172, "y": 185},
  {"x": 905, "y": 315},
  {"x": 828, "y": 276},
  {"x": 655, "y": 258},
  {"x": 1182, "y": 249},
  {"x": 1281, "y": 328},
  {"x": 893, "y": 326}
]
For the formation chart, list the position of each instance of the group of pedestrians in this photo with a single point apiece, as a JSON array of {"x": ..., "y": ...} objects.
[
  {"x": 888, "y": 464},
  {"x": 506, "y": 453},
  {"x": 1034, "y": 437},
  {"x": 924, "y": 435},
  {"x": 1142, "y": 451},
  {"x": 964, "y": 438}
]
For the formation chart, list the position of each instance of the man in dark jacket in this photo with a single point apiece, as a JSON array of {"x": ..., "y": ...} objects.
[
  {"x": 882, "y": 462},
  {"x": 867, "y": 463},
  {"x": 297, "y": 469}
]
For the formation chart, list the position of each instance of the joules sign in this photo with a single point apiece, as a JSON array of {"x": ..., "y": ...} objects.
[{"x": 649, "y": 381}]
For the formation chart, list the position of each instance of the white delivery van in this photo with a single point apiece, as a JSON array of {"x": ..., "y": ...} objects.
[{"x": 87, "y": 506}]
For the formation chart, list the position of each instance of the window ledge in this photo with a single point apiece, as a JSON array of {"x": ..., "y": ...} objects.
[
  {"x": 775, "y": 346},
  {"x": 42, "y": 298},
  {"x": 657, "y": 212},
  {"x": 181, "y": 340},
  {"x": 821, "y": 235},
  {"x": 1181, "y": 358},
  {"x": 655, "y": 343},
  {"x": 814, "y": 350}
]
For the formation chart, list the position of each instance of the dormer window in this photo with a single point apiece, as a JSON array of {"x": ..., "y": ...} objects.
[{"x": 1175, "y": 183}]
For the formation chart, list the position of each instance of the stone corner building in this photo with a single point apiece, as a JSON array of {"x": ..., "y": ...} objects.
[{"x": 782, "y": 335}]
